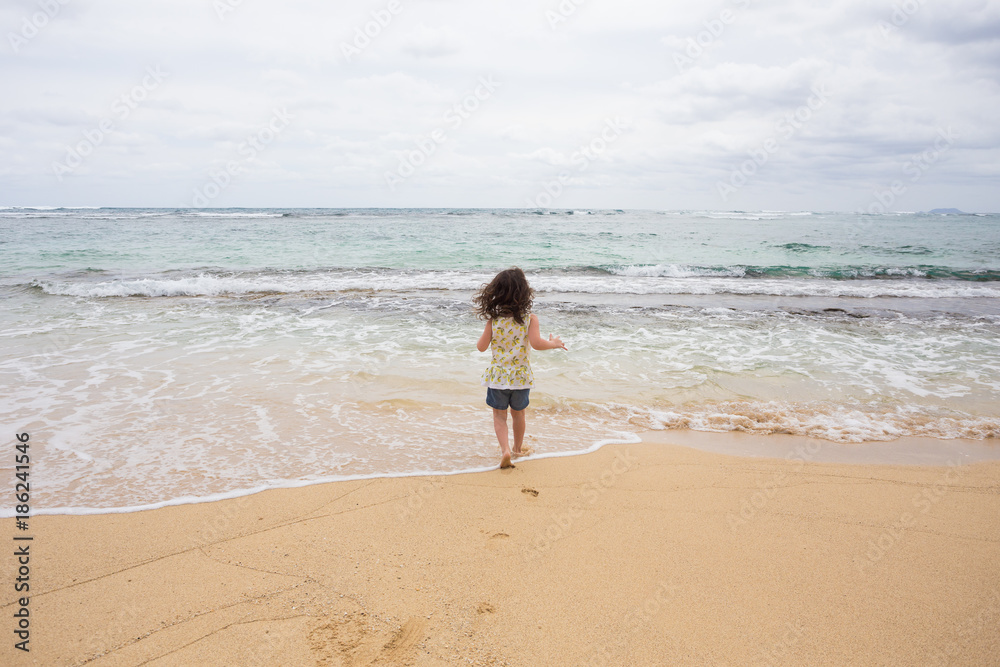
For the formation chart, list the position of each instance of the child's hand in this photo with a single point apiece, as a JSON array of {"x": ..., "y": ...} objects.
[{"x": 556, "y": 341}]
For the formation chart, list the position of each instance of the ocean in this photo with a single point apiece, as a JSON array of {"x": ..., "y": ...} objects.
[{"x": 161, "y": 356}]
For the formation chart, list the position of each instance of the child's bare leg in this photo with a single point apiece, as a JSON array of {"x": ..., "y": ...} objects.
[
  {"x": 500, "y": 426},
  {"x": 517, "y": 418}
]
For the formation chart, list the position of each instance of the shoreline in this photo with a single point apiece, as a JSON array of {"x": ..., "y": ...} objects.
[
  {"x": 906, "y": 450},
  {"x": 634, "y": 553}
]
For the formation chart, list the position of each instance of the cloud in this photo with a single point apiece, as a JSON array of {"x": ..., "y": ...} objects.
[
  {"x": 890, "y": 91},
  {"x": 424, "y": 42}
]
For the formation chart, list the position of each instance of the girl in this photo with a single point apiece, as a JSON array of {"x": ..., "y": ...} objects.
[{"x": 505, "y": 304}]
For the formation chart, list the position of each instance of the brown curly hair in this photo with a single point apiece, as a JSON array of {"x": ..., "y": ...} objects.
[{"x": 507, "y": 295}]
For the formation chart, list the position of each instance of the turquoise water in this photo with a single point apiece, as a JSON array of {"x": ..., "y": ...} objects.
[
  {"x": 775, "y": 244},
  {"x": 160, "y": 356}
]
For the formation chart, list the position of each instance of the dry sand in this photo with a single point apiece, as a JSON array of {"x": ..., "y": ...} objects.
[{"x": 636, "y": 554}]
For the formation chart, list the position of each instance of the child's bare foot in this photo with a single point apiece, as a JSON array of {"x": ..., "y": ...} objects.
[
  {"x": 505, "y": 461},
  {"x": 524, "y": 451}
]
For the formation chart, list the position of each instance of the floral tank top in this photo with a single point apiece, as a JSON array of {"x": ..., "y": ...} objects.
[{"x": 510, "y": 368}]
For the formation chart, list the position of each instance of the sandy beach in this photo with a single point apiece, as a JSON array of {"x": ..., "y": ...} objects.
[
  {"x": 649, "y": 553},
  {"x": 261, "y": 284}
]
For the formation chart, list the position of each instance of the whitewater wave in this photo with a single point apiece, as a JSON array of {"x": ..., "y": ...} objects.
[
  {"x": 636, "y": 281},
  {"x": 229, "y": 214},
  {"x": 102, "y": 213},
  {"x": 676, "y": 271},
  {"x": 201, "y": 285},
  {"x": 164, "y": 476},
  {"x": 48, "y": 208},
  {"x": 830, "y": 273},
  {"x": 834, "y": 422}
]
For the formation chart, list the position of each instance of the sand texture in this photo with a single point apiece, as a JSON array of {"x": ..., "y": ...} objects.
[{"x": 635, "y": 554}]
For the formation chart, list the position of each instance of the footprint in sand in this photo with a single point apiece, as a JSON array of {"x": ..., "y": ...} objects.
[
  {"x": 531, "y": 491},
  {"x": 353, "y": 641},
  {"x": 405, "y": 638},
  {"x": 496, "y": 541}
]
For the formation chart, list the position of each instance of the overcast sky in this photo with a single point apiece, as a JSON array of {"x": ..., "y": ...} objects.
[{"x": 734, "y": 104}]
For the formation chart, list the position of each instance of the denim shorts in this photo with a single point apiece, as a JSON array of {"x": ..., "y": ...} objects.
[{"x": 500, "y": 399}]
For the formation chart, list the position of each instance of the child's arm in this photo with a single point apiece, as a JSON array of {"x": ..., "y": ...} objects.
[
  {"x": 484, "y": 340},
  {"x": 536, "y": 340}
]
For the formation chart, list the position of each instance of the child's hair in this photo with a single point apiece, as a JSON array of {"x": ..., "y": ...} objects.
[{"x": 507, "y": 295}]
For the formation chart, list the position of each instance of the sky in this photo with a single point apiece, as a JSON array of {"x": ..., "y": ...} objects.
[{"x": 845, "y": 105}]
